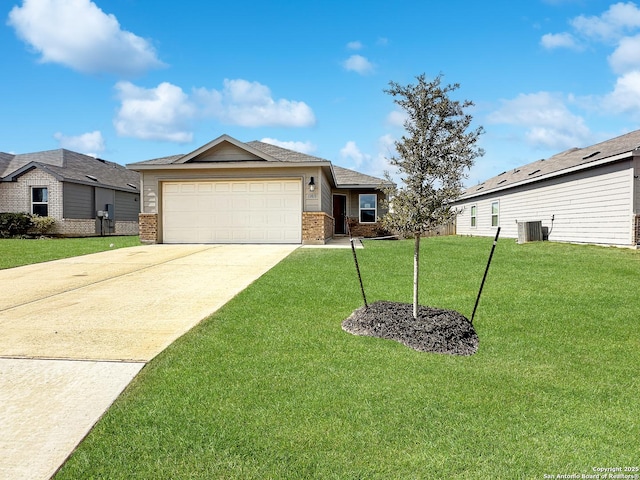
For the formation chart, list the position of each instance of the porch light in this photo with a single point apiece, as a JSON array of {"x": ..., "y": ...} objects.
[{"x": 312, "y": 184}]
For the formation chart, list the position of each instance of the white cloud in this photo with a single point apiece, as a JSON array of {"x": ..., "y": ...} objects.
[
  {"x": 302, "y": 147},
  {"x": 161, "y": 113},
  {"x": 352, "y": 153},
  {"x": 626, "y": 57},
  {"x": 90, "y": 143},
  {"x": 397, "y": 118},
  {"x": 78, "y": 34},
  {"x": 625, "y": 97},
  {"x": 611, "y": 25},
  {"x": 166, "y": 112},
  {"x": 250, "y": 104},
  {"x": 354, "y": 45},
  {"x": 559, "y": 40},
  {"x": 377, "y": 164},
  {"x": 359, "y": 64},
  {"x": 546, "y": 118}
]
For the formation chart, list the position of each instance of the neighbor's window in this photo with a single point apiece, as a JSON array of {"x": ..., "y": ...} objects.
[
  {"x": 474, "y": 214},
  {"x": 40, "y": 201},
  {"x": 368, "y": 206},
  {"x": 495, "y": 213}
]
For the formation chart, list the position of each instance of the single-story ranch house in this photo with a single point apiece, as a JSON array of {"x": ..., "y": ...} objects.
[
  {"x": 228, "y": 191},
  {"x": 583, "y": 195},
  {"x": 85, "y": 195}
]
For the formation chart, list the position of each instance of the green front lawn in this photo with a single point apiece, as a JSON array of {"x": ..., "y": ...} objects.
[
  {"x": 270, "y": 387},
  {"x": 17, "y": 252}
]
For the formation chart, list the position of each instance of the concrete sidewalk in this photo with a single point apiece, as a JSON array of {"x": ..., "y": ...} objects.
[{"x": 75, "y": 332}]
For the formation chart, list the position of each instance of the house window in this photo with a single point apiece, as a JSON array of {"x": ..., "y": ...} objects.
[
  {"x": 40, "y": 201},
  {"x": 495, "y": 213},
  {"x": 368, "y": 206},
  {"x": 474, "y": 214}
]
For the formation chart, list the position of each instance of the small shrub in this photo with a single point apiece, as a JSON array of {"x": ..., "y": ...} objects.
[
  {"x": 14, "y": 224},
  {"x": 41, "y": 225}
]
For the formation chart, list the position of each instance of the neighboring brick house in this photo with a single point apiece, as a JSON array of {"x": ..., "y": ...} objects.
[
  {"x": 228, "y": 191},
  {"x": 85, "y": 195}
]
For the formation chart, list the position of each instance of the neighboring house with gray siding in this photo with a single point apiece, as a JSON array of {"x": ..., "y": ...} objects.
[
  {"x": 229, "y": 191},
  {"x": 85, "y": 195},
  {"x": 583, "y": 195}
]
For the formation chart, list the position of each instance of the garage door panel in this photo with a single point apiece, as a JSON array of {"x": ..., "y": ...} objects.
[{"x": 240, "y": 211}]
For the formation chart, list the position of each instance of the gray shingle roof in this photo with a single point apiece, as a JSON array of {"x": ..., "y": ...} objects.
[
  {"x": 71, "y": 167},
  {"x": 273, "y": 153},
  {"x": 284, "y": 154},
  {"x": 569, "y": 159},
  {"x": 161, "y": 161},
  {"x": 346, "y": 177}
]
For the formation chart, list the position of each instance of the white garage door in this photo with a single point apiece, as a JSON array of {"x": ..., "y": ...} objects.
[{"x": 237, "y": 211}]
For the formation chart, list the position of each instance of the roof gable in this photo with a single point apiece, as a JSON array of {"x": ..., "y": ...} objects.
[{"x": 224, "y": 149}]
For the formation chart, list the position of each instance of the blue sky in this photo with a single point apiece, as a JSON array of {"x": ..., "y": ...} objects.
[{"x": 130, "y": 80}]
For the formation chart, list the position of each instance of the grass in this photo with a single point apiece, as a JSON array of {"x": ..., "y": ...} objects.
[
  {"x": 17, "y": 252},
  {"x": 270, "y": 387}
]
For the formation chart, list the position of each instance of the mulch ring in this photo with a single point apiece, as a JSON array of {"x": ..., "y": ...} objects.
[{"x": 436, "y": 330}]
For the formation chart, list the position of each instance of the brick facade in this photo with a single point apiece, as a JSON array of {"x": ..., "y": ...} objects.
[
  {"x": 148, "y": 227},
  {"x": 317, "y": 228},
  {"x": 366, "y": 230},
  {"x": 636, "y": 230},
  {"x": 16, "y": 196}
]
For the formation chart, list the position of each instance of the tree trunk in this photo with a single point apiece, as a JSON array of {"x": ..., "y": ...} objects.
[{"x": 416, "y": 274}]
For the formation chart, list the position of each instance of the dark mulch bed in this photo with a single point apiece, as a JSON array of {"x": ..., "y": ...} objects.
[{"x": 436, "y": 330}]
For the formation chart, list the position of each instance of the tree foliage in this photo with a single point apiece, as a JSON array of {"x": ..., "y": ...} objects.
[{"x": 432, "y": 158}]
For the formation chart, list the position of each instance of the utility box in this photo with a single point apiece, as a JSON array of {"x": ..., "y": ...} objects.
[
  {"x": 530, "y": 232},
  {"x": 110, "y": 211}
]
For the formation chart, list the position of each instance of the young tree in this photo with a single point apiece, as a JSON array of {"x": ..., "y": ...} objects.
[{"x": 431, "y": 158}]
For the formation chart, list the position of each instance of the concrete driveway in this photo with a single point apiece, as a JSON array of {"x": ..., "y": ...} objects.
[{"x": 75, "y": 332}]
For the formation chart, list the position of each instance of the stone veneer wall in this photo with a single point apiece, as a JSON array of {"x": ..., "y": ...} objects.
[
  {"x": 148, "y": 227},
  {"x": 317, "y": 227}
]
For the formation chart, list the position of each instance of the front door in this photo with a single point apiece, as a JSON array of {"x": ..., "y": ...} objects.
[{"x": 340, "y": 214}]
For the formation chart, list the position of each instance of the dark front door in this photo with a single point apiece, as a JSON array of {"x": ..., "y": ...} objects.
[{"x": 340, "y": 214}]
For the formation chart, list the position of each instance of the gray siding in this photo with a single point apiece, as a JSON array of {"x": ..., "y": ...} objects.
[
  {"x": 327, "y": 197},
  {"x": 79, "y": 201},
  {"x": 103, "y": 197},
  {"x": 225, "y": 152},
  {"x": 589, "y": 206},
  {"x": 127, "y": 206}
]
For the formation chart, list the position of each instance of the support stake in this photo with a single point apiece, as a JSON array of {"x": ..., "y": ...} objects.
[
  {"x": 495, "y": 241},
  {"x": 355, "y": 259}
]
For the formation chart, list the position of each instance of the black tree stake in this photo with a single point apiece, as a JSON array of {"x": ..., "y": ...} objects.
[
  {"x": 355, "y": 259},
  {"x": 495, "y": 241}
]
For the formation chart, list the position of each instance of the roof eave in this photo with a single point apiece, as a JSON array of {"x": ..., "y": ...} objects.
[
  {"x": 225, "y": 165},
  {"x": 368, "y": 186},
  {"x": 29, "y": 166},
  {"x": 231, "y": 140}
]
